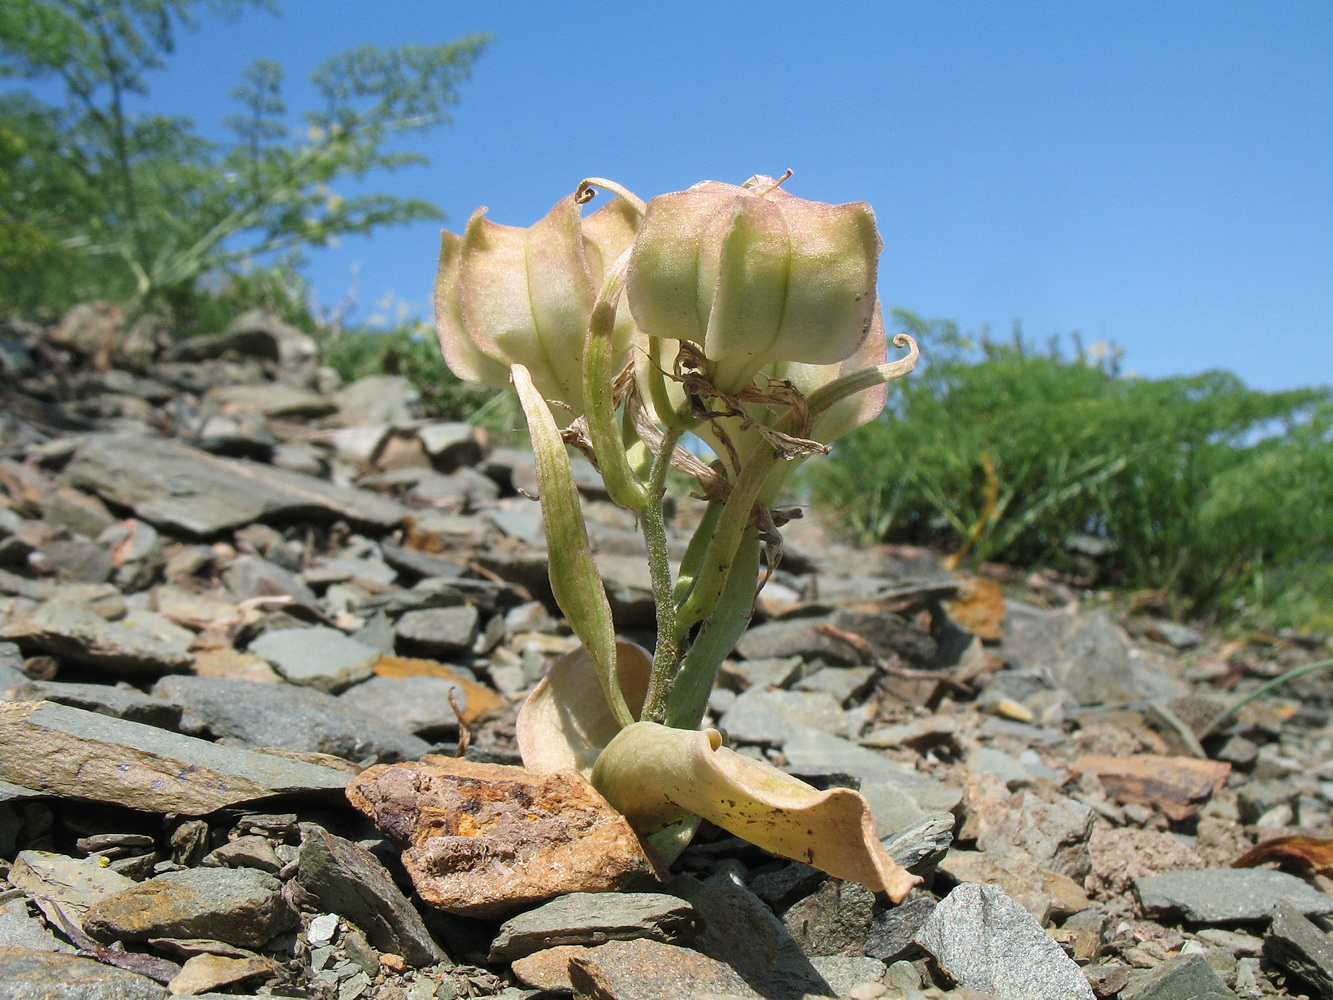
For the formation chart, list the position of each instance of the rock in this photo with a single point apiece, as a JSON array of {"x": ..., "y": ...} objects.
[
  {"x": 1297, "y": 945},
  {"x": 241, "y": 906},
  {"x": 120, "y": 703},
  {"x": 800, "y": 637},
  {"x": 1185, "y": 977},
  {"x": 743, "y": 934},
  {"x": 843, "y": 973},
  {"x": 548, "y": 969},
  {"x": 920, "y": 847},
  {"x": 348, "y": 880},
  {"x": 20, "y": 930},
  {"x": 652, "y": 970},
  {"x": 245, "y": 852},
  {"x": 73, "y": 630},
  {"x": 377, "y": 399},
  {"x": 770, "y": 717},
  {"x": 892, "y": 931},
  {"x": 64, "y": 888},
  {"x": 1226, "y": 895},
  {"x": 486, "y": 839},
  {"x": 1041, "y": 892},
  {"x": 417, "y": 704},
  {"x": 250, "y": 714},
  {"x": 48, "y": 975},
  {"x": 833, "y": 920},
  {"x": 811, "y": 752},
  {"x": 204, "y": 973},
  {"x": 67, "y": 751},
  {"x": 1178, "y": 786},
  {"x": 439, "y": 631},
  {"x": 186, "y": 490},
  {"x": 589, "y": 918},
  {"x": 987, "y": 942},
  {"x": 1054, "y": 833},
  {"x": 320, "y": 657},
  {"x": 1090, "y": 657},
  {"x": 251, "y": 576}
]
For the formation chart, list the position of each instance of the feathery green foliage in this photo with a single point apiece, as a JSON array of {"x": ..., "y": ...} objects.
[
  {"x": 101, "y": 201},
  {"x": 1217, "y": 493}
]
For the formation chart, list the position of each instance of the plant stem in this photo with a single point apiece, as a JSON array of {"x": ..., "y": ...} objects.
[{"x": 667, "y": 655}]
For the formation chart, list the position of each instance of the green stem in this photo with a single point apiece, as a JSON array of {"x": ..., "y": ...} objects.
[
  {"x": 696, "y": 551},
  {"x": 717, "y": 638},
  {"x": 599, "y": 376},
  {"x": 1291, "y": 675},
  {"x": 667, "y": 655},
  {"x": 721, "y": 554}
]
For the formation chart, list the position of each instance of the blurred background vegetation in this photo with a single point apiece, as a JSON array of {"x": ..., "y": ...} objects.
[{"x": 1215, "y": 495}]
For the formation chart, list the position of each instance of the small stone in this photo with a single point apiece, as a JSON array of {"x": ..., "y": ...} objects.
[
  {"x": 892, "y": 931},
  {"x": 348, "y": 880},
  {"x": 118, "y": 702},
  {"x": 417, "y": 704},
  {"x": 1226, "y": 895},
  {"x": 833, "y": 920},
  {"x": 809, "y": 751},
  {"x": 1185, "y": 977},
  {"x": 1300, "y": 947},
  {"x": 594, "y": 918},
  {"x": 845, "y": 973},
  {"x": 987, "y": 942},
  {"x": 486, "y": 839},
  {"x": 320, "y": 657},
  {"x": 439, "y": 631},
  {"x": 652, "y": 970},
  {"x": 241, "y": 906},
  {"x": 245, "y": 852},
  {"x": 548, "y": 969},
  {"x": 205, "y": 973}
]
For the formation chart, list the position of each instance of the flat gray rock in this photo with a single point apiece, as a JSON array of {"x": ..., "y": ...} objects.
[
  {"x": 809, "y": 751},
  {"x": 183, "y": 489},
  {"x": 1224, "y": 895},
  {"x": 595, "y": 918},
  {"x": 75, "y": 631},
  {"x": 741, "y": 932},
  {"x": 1300, "y": 947},
  {"x": 26, "y": 974},
  {"x": 417, "y": 704},
  {"x": 1089, "y": 656},
  {"x": 987, "y": 942},
  {"x": 1184, "y": 977},
  {"x": 770, "y": 717},
  {"x": 241, "y": 906},
  {"x": 285, "y": 716},
  {"x": 348, "y": 880},
  {"x": 319, "y": 657},
  {"x": 105, "y": 699},
  {"x": 66, "y": 751},
  {"x": 439, "y": 631},
  {"x": 19, "y": 929}
]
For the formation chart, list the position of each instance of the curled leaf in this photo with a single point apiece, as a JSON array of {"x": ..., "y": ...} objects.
[
  {"x": 657, "y": 776},
  {"x": 566, "y": 723}
]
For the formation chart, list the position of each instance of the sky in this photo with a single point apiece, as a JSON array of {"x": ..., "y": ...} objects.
[{"x": 1154, "y": 174}]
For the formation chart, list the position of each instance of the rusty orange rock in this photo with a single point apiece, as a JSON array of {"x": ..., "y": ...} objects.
[
  {"x": 1178, "y": 786},
  {"x": 487, "y": 839}
]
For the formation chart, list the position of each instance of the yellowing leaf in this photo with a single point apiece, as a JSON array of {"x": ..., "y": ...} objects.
[{"x": 657, "y": 776}]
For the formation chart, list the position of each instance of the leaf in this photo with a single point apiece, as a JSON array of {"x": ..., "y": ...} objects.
[
  {"x": 564, "y": 724},
  {"x": 1306, "y": 854},
  {"x": 657, "y": 776},
  {"x": 575, "y": 581}
]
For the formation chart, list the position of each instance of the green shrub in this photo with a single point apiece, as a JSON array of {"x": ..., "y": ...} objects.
[{"x": 1198, "y": 485}]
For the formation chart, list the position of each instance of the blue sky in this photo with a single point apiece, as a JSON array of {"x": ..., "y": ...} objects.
[{"x": 1157, "y": 174}]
